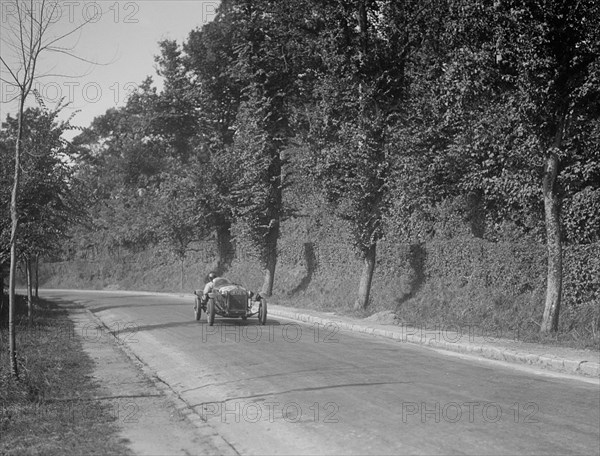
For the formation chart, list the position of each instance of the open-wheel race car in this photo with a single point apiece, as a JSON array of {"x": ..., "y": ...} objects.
[{"x": 231, "y": 301}]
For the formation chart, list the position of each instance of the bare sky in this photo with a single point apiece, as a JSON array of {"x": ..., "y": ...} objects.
[{"x": 122, "y": 36}]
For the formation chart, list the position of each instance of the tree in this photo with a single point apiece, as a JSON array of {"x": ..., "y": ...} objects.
[
  {"x": 140, "y": 163},
  {"x": 361, "y": 84},
  {"x": 5, "y": 190},
  {"x": 553, "y": 49},
  {"x": 509, "y": 104},
  {"x": 177, "y": 220},
  {"x": 203, "y": 64},
  {"x": 27, "y": 35},
  {"x": 264, "y": 68},
  {"x": 175, "y": 110},
  {"x": 48, "y": 198}
]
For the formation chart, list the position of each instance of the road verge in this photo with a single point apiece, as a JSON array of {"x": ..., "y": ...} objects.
[{"x": 460, "y": 340}]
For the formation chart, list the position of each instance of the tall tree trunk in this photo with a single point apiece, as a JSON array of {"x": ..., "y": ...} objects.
[
  {"x": 267, "y": 288},
  {"x": 225, "y": 247},
  {"x": 37, "y": 277},
  {"x": 270, "y": 260},
  {"x": 274, "y": 216},
  {"x": 182, "y": 272},
  {"x": 12, "y": 308},
  {"x": 553, "y": 235},
  {"x": 364, "y": 288},
  {"x": 14, "y": 217},
  {"x": 29, "y": 289}
]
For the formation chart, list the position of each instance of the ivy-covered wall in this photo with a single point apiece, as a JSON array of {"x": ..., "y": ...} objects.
[{"x": 464, "y": 281}]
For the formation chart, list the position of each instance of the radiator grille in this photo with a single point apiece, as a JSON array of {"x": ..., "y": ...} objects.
[{"x": 238, "y": 302}]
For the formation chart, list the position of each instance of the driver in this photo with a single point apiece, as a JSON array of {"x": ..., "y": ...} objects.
[
  {"x": 214, "y": 281},
  {"x": 209, "y": 285}
]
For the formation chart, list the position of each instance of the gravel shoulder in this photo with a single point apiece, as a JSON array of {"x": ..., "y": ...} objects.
[{"x": 151, "y": 419}]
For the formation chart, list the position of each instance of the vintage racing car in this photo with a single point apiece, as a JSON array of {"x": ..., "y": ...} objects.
[{"x": 232, "y": 301}]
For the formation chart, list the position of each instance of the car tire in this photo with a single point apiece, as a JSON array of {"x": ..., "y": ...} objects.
[
  {"x": 198, "y": 309},
  {"x": 210, "y": 312},
  {"x": 262, "y": 312}
]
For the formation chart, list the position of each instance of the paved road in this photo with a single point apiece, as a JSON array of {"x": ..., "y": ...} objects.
[{"x": 288, "y": 388}]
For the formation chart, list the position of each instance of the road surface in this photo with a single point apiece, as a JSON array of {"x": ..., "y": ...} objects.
[{"x": 291, "y": 388}]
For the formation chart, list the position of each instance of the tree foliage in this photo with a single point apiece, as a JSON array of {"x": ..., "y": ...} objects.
[
  {"x": 404, "y": 115},
  {"x": 49, "y": 199}
]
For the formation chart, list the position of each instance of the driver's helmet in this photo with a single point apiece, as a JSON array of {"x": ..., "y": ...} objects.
[{"x": 212, "y": 276}]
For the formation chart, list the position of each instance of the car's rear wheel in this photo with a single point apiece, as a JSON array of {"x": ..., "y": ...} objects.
[
  {"x": 210, "y": 312},
  {"x": 197, "y": 309},
  {"x": 262, "y": 312}
]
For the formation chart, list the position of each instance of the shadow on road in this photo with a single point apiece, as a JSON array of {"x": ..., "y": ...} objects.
[
  {"x": 180, "y": 324},
  {"x": 126, "y": 306}
]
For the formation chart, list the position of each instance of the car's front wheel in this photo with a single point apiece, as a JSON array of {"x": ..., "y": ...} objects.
[
  {"x": 197, "y": 309},
  {"x": 210, "y": 312},
  {"x": 262, "y": 312}
]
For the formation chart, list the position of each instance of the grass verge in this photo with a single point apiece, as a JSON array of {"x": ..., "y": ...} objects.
[
  {"x": 434, "y": 310},
  {"x": 51, "y": 409},
  {"x": 443, "y": 299}
]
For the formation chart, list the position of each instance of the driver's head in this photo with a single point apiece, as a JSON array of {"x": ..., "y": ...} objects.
[{"x": 212, "y": 276}]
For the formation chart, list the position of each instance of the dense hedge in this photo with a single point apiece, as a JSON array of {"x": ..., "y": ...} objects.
[{"x": 465, "y": 281}]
